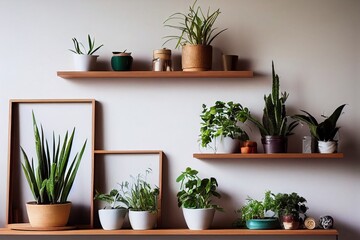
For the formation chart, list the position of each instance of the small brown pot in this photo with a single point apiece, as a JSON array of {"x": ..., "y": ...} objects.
[
  {"x": 290, "y": 222},
  {"x": 196, "y": 57},
  {"x": 48, "y": 215}
]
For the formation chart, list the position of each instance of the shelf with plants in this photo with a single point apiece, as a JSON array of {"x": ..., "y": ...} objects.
[
  {"x": 153, "y": 74},
  {"x": 268, "y": 156},
  {"x": 174, "y": 232}
]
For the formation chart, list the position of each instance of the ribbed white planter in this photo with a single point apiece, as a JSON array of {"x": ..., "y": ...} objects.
[
  {"x": 198, "y": 219},
  {"x": 327, "y": 147},
  {"x": 142, "y": 220},
  {"x": 112, "y": 219}
]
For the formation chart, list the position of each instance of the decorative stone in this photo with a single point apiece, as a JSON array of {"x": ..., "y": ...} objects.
[
  {"x": 310, "y": 223},
  {"x": 326, "y": 222}
]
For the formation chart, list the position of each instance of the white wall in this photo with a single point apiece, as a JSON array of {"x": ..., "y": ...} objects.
[{"x": 315, "y": 46}]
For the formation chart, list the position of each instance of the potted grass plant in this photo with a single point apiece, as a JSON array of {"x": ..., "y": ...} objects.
[
  {"x": 220, "y": 129},
  {"x": 142, "y": 200},
  {"x": 51, "y": 179},
  {"x": 112, "y": 216},
  {"x": 274, "y": 127},
  {"x": 324, "y": 132},
  {"x": 195, "y": 198},
  {"x": 84, "y": 59},
  {"x": 197, "y": 32}
]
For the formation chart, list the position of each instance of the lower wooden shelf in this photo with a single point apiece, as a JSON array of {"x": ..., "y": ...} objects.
[
  {"x": 265, "y": 156},
  {"x": 177, "y": 232}
]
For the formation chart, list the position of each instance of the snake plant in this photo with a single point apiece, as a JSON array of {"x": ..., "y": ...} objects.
[
  {"x": 91, "y": 43},
  {"x": 51, "y": 180}
]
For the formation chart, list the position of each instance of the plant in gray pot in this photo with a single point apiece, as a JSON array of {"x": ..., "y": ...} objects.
[
  {"x": 220, "y": 127},
  {"x": 274, "y": 127},
  {"x": 195, "y": 199},
  {"x": 197, "y": 32},
  {"x": 113, "y": 215},
  {"x": 324, "y": 132},
  {"x": 51, "y": 179},
  {"x": 255, "y": 213}
]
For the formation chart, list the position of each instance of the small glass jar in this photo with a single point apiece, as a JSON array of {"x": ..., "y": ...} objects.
[{"x": 162, "y": 60}]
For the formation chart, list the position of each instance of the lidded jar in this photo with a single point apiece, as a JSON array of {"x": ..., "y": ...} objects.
[{"x": 162, "y": 60}]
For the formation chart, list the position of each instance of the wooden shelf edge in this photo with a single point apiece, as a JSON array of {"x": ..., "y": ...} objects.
[
  {"x": 153, "y": 74},
  {"x": 178, "y": 232},
  {"x": 268, "y": 156},
  {"x": 128, "y": 151}
]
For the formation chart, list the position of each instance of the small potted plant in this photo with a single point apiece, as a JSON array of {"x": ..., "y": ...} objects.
[
  {"x": 197, "y": 32},
  {"x": 51, "y": 179},
  {"x": 324, "y": 132},
  {"x": 121, "y": 61},
  {"x": 113, "y": 215},
  {"x": 84, "y": 60},
  {"x": 255, "y": 214},
  {"x": 220, "y": 129},
  {"x": 195, "y": 199},
  {"x": 274, "y": 127},
  {"x": 142, "y": 200},
  {"x": 289, "y": 208}
]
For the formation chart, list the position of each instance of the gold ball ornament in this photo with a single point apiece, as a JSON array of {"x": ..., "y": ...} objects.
[{"x": 310, "y": 223}]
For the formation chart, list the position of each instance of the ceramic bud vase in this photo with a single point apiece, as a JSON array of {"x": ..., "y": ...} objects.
[
  {"x": 84, "y": 62},
  {"x": 327, "y": 147}
]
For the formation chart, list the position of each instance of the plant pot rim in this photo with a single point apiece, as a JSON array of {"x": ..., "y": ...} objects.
[
  {"x": 111, "y": 209},
  {"x": 83, "y": 55},
  {"x": 46, "y": 204}
]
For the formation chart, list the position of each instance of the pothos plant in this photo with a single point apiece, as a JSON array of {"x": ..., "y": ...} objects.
[
  {"x": 222, "y": 120},
  {"x": 113, "y": 199},
  {"x": 196, "y": 192},
  {"x": 51, "y": 180},
  {"x": 290, "y": 204},
  {"x": 139, "y": 195}
]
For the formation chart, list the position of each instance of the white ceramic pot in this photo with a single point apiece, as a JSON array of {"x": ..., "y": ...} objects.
[
  {"x": 198, "y": 219},
  {"x": 327, "y": 147},
  {"x": 226, "y": 145},
  {"x": 84, "y": 62},
  {"x": 112, "y": 219},
  {"x": 142, "y": 220}
]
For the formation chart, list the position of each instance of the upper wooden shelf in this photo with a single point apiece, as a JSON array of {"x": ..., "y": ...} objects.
[
  {"x": 264, "y": 155},
  {"x": 177, "y": 232},
  {"x": 153, "y": 74}
]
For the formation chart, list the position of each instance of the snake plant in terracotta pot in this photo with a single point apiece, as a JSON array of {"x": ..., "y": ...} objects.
[
  {"x": 324, "y": 132},
  {"x": 197, "y": 32},
  {"x": 51, "y": 179}
]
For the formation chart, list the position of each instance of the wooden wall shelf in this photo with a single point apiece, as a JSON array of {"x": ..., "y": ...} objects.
[
  {"x": 152, "y": 74},
  {"x": 177, "y": 232},
  {"x": 267, "y": 156}
]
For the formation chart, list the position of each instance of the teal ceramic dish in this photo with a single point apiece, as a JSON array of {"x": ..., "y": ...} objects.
[{"x": 268, "y": 223}]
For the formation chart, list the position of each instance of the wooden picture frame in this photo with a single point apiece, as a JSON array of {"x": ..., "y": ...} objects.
[
  {"x": 58, "y": 116},
  {"x": 121, "y": 167}
]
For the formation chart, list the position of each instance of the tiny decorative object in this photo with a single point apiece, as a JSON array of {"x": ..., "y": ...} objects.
[
  {"x": 309, "y": 144},
  {"x": 310, "y": 223},
  {"x": 248, "y": 147},
  {"x": 230, "y": 62},
  {"x": 326, "y": 222},
  {"x": 121, "y": 61},
  {"x": 162, "y": 60}
]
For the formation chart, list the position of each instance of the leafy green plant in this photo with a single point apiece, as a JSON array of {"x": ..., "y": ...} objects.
[
  {"x": 51, "y": 180},
  {"x": 290, "y": 204},
  {"x": 139, "y": 195},
  {"x": 324, "y": 131},
  {"x": 196, "y": 27},
  {"x": 196, "y": 192},
  {"x": 255, "y": 209},
  {"x": 112, "y": 199},
  {"x": 79, "y": 48},
  {"x": 274, "y": 120},
  {"x": 221, "y": 120}
]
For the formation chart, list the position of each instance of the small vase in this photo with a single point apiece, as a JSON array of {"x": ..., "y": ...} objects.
[{"x": 327, "y": 147}]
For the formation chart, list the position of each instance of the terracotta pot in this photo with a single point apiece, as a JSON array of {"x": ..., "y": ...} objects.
[
  {"x": 196, "y": 57},
  {"x": 48, "y": 215}
]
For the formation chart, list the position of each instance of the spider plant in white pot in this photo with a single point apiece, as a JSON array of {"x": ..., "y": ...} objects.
[
  {"x": 51, "y": 179},
  {"x": 85, "y": 60}
]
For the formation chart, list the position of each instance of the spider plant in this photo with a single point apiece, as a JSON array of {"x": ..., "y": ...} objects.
[
  {"x": 51, "y": 180},
  {"x": 79, "y": 48},
  {"x": 196, "y": 27}
]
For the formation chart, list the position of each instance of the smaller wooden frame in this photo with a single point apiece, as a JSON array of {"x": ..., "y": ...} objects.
[
  {"x": 134, "y": 152},
  {"x": 58, "y": 113}
]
